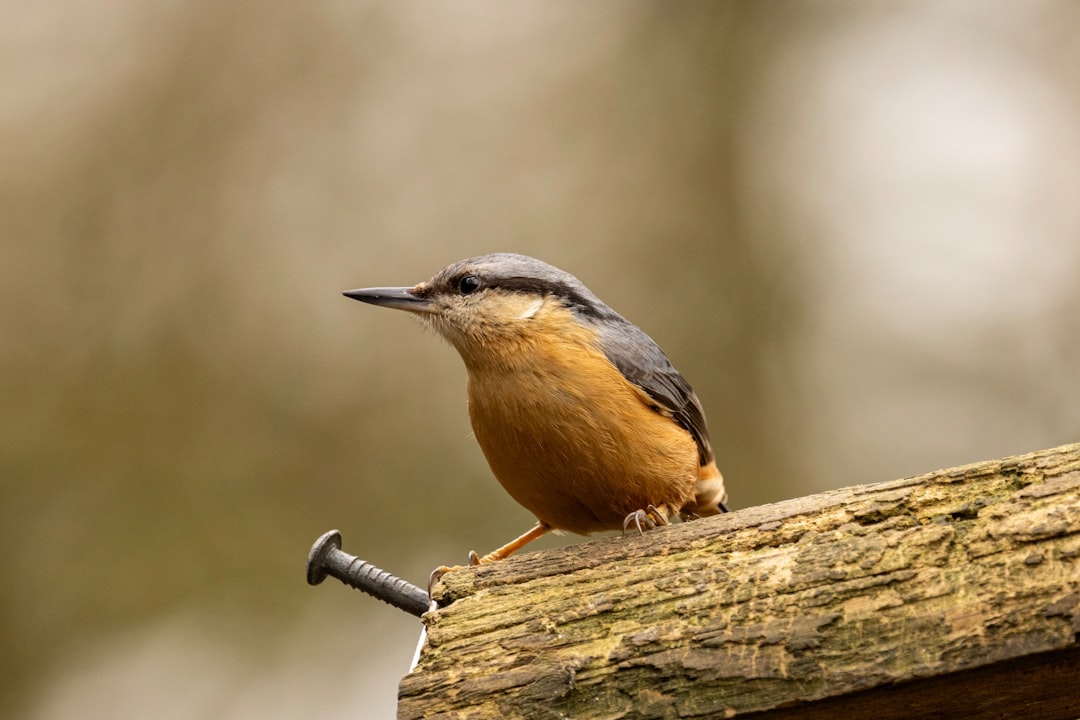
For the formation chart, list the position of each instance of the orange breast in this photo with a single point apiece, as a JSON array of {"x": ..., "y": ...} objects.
[{"x": 571, "y": 439}]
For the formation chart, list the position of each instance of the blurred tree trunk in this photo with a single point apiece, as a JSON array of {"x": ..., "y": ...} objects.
[{"x": 962, "y": 585}]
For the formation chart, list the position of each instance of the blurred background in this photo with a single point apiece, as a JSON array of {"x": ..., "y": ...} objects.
[{"x": 854, "y": 227}]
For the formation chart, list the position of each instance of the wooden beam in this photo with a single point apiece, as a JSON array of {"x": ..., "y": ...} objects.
[{"x": 952, "y": 594}]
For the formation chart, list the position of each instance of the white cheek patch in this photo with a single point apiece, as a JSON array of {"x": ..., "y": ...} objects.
[{"x": 532, "y": 309}]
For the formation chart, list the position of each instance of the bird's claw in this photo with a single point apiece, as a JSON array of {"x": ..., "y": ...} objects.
[
  {"x": 438, "y": 573},
  {"x": 643, "y": 520}
]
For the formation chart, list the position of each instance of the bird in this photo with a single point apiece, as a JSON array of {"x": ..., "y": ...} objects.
[{"x": 581, "y": 416}]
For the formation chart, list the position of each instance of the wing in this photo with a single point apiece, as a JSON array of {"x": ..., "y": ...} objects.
[{"x": 643, "y": 363}]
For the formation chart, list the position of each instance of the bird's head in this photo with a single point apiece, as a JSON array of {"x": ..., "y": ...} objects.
[{"x": 483, "y": 303}]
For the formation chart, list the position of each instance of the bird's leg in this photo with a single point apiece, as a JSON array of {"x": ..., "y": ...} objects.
[
  {"x": 646, "y": 519},
  {"x": 538, "y": 530}
]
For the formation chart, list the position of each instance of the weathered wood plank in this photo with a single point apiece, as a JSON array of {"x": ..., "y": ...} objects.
[{"x": 813, "y": 600}]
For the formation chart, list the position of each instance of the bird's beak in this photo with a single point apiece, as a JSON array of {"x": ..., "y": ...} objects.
[{"x": 399, "y": 298}]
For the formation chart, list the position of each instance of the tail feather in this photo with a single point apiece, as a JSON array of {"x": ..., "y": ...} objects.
[{"x": 710, "y": 495}]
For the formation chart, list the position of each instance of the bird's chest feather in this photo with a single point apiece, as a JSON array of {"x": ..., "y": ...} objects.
[
  {"x": 573, "y": 441},
  {"x": 556, "y": 406}
]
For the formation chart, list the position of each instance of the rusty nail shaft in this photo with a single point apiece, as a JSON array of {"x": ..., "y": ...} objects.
[{"x": 327, "y": 558}]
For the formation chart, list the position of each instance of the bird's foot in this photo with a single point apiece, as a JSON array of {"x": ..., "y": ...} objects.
[
  {"x": 498, "y": 554},
  {"x": 437, "y": 575},
  {"x": 474, "y": 560},
  {"x": 646, "y": 519}
]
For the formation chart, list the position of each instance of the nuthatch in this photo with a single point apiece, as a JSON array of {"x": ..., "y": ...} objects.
[{"x": 580, "y": 415}]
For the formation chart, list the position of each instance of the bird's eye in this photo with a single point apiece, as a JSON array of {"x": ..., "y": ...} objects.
[{"x": 468, "y": 285}]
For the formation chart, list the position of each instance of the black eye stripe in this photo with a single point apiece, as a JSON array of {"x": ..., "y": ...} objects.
[
  {"x": 574, "y": 299},
  {"x": 577, "y": 299}
]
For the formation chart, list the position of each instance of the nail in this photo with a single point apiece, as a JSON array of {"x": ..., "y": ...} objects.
[{"x": 327, "y": 558}]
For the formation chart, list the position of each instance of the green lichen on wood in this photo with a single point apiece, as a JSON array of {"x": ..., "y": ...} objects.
[{"x": 786, "y": 603}]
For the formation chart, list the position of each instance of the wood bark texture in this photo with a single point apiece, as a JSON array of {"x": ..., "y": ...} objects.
[{"x": 953, "y": 594}]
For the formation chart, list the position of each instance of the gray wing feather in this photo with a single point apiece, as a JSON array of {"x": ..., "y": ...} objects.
[{"x": 642, "y": 362}]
